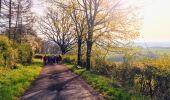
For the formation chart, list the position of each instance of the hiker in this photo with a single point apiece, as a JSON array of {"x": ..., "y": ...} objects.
[
  {"x": 52, "y": 59},
  {"x": 48, "y": 60},
  {"x": 45, "y": 60},
  {"x": 56, "y": 59},
  {"x": 59, "y": 58}
]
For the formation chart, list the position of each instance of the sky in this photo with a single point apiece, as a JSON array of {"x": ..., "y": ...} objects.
[
  {"x": 156, "y": 23},
  {"x": 156, "y": 27},
  {"x": 38, "y": 7}
]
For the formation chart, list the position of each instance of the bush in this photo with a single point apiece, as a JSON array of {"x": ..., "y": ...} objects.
[
  {"x": 69, "y": 59},
  {"x": 38, "y": 56},
  {"x": 25, "y": 54},
  {"x": 8, "y": 54},
  {"x": 105, "y": 86},
  {"x": 150, "y": 78}
]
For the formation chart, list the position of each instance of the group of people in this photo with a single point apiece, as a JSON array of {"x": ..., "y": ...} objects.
[{"x": 52, "y": 59}]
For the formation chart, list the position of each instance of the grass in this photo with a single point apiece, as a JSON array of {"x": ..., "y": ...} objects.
[
  {"x": 14, "y": 82},
  {"x": 106, "y": 86}
]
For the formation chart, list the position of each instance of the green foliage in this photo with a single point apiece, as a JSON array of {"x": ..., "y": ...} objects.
[
  {"x": 8, "y": 54},
  {"x": 38, "y": 56},
  {"x": 14, "y": 82},
  {"x": 106, "y": 87},
  {"x": 11, "y": 54},
  {"x": 150, "y": 77},
  {"x": 25, "y": 53},
  {"x": 69, "y": 59}
]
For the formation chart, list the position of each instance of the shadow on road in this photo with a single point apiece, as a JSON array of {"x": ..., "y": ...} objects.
[{"x": 59, "y": 83}]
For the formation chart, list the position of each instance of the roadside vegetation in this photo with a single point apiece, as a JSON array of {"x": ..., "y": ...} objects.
[
  {"x": 109, "y": 89},
  {"x": 142, "y": 80},
  {"x": 17, "y": 68},
  {"x": 13, "y": 82},
  {"x": 12, "y": 53}
]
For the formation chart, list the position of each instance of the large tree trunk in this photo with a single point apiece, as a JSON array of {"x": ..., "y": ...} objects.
[
  {"x": 63, "y": 51},
  {"x": 17, "y": 22},
  {"x": 88, "y": 55},
  {"x": 10, "y": 12},
  {"x": 79, "y": 56},
  {"x": 0, "y": 7}
]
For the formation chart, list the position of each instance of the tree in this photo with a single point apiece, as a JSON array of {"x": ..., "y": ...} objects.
[
  {"x": 33, "y": 41},
  {"x": 92, "y": 10},
  {"x": 57, "y": 27},
  {"x": 79, "y": 21},
  {"x": 24, "y": 19},
  {"x": 17, "y": 18},
  {"x": 0, "y": 5},
  {"x": 106, "y": 24},
  {"x": 109, "y": 25},
  {"x": 10, "y": 15}
]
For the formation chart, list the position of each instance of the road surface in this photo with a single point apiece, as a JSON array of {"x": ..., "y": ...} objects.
[{"x": 56, "y": 82}]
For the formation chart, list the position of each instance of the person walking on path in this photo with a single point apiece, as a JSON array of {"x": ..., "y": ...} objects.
[
  {"x": 56, "y": 59},
  {"x": 45, "y": 60},
  {"x": 59, "y": 58},
  {"x": 48, "y": 60}
]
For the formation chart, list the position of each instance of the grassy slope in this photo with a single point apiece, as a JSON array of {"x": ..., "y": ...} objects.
[
  {"x": 14, "y": 82},
  {"x": 105, "y": 86}
]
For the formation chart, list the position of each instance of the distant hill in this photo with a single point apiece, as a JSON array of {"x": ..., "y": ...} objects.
[
  {"x": 154, "y": 44},
  {"x": 153, "y": 51},
  {"x": 159, "y": 47}
]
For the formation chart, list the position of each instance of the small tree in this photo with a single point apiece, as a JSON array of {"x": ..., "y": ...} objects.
[{"x": 25, "y": 54}]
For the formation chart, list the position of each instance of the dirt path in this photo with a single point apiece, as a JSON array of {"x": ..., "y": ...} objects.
[{"x": 58, "y": 83}]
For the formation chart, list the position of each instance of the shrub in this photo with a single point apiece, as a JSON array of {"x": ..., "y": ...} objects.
[
  {"x": 69, "y": 59},
  {"x": 25, "y": 54},
  {"x": 38, "y": 56},
  {"x": 12, "y": 57},
  {"x": 8, "y": 54},
  {"x": 150, "y": 78}
]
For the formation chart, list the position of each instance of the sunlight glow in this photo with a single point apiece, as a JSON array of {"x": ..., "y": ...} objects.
[{"x": 156, "y": 26}]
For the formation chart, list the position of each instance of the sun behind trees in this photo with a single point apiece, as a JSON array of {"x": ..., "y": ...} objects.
[{"x": 87, "y": 24}]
